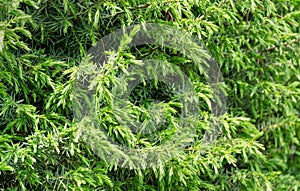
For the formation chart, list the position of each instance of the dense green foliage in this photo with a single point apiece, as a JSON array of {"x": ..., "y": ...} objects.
[{"x": 256, "y": 45}]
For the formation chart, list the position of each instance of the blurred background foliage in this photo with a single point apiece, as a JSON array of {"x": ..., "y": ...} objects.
[{"x": 256, "y": 45}]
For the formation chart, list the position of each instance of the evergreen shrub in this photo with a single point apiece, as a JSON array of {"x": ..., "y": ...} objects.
[{"x": 254, "y": 42}]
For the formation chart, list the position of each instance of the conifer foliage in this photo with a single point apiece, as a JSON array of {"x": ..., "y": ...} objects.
[{"x": 255, "y": 43}]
